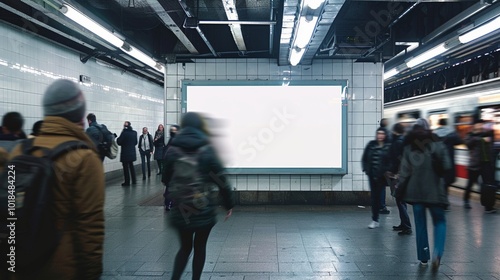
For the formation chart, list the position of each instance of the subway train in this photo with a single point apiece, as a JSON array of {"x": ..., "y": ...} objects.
[{"x": 460, "y": 106}]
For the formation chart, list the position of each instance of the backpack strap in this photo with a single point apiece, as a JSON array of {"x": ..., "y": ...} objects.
[{"x": 67, "y": 147}]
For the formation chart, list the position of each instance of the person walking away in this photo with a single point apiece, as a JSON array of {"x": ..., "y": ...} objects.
[
  {"x": 145, "y": 150},
  {"x": 194, "y": 206},
  {"x": 393, "y": 161},
  {"x": 128, "y": 141},
  {"x": 424, "y": 158},
  {"x": 479, "y": 143},
  {"x": 372, "y": 165},
  {"x": 450, "y": 139},
  {"x": 159, "y": 143},
  {"x": 95, "y": 132},
  {"x": 78, "y": 196}
]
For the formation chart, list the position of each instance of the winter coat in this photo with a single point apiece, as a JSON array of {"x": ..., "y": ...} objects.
[
  {"x": 79, "y": 208},
  {"x": 150, "y": 139},
  {"x": 450, "y": 139},
  {"x": 374, "y": 167},
  {"x": 159, "y": 144},
  {"x": 128, "y": 141},
  {"x": 211, "y": 171},
  {"x": 424, "y": 185},
  {"x": 95, "y": 135}
]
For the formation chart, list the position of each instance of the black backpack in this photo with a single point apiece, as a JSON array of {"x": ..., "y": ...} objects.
[
  {"x": 107, "y": 146},
  {"x": 186, "y": 187},
  {"x": 28, "y": 235}
]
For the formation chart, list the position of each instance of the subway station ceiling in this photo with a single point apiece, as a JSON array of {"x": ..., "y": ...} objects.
[{"x": 179, "y": 31}]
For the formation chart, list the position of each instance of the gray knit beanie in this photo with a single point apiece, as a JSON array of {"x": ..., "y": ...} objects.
[{"x": 64, "y": 99}]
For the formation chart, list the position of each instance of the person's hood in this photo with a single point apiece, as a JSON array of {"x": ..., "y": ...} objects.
[
  {"x": 190, "y": 138},
  {"x": 442, "y": 131}
]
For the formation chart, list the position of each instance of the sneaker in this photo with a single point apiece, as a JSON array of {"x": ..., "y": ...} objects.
[
  {"x": 374, "y": 224},
  {"x": 467, "y": 205},
  {"x": 423, "y": 263},
  {"x": 490, "y": 211},
  {"x": 384, "y": 211},
  {"x": 435, "y": 264},
  {"x": 405, "y": 231}
]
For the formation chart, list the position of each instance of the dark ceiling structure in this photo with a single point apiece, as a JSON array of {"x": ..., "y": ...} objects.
[{"x": 179, "y": 31}]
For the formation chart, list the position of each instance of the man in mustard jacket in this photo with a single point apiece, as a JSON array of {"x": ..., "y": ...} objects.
[{"x": 79, "y": 194}]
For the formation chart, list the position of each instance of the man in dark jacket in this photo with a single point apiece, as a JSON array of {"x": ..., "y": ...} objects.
[
  {"x": 12, "y": 127},
  {"x": 374, "y": 168},
  {"x": 94, "y": 131},
  {"x": 146, "y": 150},
  {"x": 450, "y": 139},
  {"x": 194, "y": 220},
  {"x": 393, "y": 161},
  {"x": 128, "y": 141}
]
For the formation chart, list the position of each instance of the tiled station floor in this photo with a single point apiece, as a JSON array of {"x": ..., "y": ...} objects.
[{"x": 294, "y": 242}]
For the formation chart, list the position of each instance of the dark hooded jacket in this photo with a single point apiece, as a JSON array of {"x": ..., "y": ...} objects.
[
  {"x": 450, "y": 139},
  {"x": 421, "y": 154},
  {"x": 189, "y": 140}
]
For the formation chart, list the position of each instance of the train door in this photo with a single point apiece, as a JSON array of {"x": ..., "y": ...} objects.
[
  {"x": 408, "y": 118},
  {"x": 463, "y": 125}
]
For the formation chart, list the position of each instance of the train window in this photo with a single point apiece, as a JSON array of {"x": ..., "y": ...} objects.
[
  {"x": 408, "y": 118},
  {"x": 435, "y": 116}
]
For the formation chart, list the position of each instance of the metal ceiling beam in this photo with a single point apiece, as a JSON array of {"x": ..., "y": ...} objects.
[
  {"x": 185, "y": 8},
  {"x": 170, "y": 24},
  {"x": 241, "y": 22},
  {"x": 410, "y": 1},
  {"x": 232, "y": 15}
]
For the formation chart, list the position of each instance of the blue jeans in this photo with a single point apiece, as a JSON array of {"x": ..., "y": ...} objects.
[
  {"x": 439, "y": 221},
  {"x": 145, "y": 157},
  {"x": 403, "y": 214}
]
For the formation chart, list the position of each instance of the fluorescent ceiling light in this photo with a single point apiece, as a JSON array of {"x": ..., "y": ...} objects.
[
  {"x": 91, "y": 25},
  {"x": 144, "y": 58},
  {"x": 305, "y": 31},
  {"x": 296, "y": 55},
  {"x": 390, "y": 73},
  {"x": 480, "y": 31},
  {"x": 314, "y": 4},
  {"x": 426, "y": 56}
]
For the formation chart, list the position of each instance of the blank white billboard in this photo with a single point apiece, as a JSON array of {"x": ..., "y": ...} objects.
[{"x": 271, "y": 128}]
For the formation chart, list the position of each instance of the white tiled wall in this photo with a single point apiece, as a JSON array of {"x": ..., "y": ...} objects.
[
  {"x": 364, "y": 111},
  {"x": 28, "y": 64}
]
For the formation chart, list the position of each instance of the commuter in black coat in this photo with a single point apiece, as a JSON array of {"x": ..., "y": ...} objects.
[{"x": 128, "y": 141}]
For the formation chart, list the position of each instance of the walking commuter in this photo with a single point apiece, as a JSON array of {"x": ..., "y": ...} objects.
[
  {"x": 450, "y": 139},
  {"x": 481, "y": 163},
  {"x": 373, "y": 155},
  {"x": 35, "y": 131},
  {"x": 194, "y": 206},
  {"x": 128, "y": 141},
  {"x": 393, "y": 161},
  {"x": 423, "y": 159},
  {"x": 145, "y": 150},
  {"x": 78, "y": 196},
  {"x": 12, "y": 127},
  {"x": 159, "y": 143}
]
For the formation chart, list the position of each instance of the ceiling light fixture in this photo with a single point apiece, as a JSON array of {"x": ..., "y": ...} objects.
[
  {"x": 480, "y": 31},
  {"x": 91, "y": 25},
  {"x": 305, "y": 24},
  {"x": 107, "y": 35},
  {"x": 441, "y": 48}
]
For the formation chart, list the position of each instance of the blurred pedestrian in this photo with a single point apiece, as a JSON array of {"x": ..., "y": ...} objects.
[
  {"x": 194, "y": 205},
  {"x": 372, "y": 165},
  {"x": 424, "y": 158}
]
